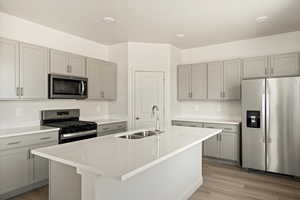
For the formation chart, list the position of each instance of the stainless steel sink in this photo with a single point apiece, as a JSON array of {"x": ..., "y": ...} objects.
[{"x": 140, "y": 135}]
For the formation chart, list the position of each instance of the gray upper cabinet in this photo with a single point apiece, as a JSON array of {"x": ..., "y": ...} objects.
[
  {"x": 67, "y": 63},
  {"x": 192, "y": 82},
  {"x": 199, "y": 81},
  {"x": 184, "y": 82},
  {"x": 232, "y": 79},
  {"x": 215, "y": 80},
  {"x": 255, "y": 67},
  {"x": 285, "y": 65},
  {"x": 9, "y": 69},
  {"x": 33, "y": 69},
  {"x": 102, "y": 77}
]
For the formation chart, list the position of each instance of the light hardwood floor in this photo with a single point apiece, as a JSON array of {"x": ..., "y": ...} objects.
[{"x": 225, "y": 182}]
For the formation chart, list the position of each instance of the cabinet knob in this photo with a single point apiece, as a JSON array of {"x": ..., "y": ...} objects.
[{"x": 137, "y": 118}]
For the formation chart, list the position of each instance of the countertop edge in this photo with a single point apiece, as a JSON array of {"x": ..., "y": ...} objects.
[{"x": 27, "y": 132}]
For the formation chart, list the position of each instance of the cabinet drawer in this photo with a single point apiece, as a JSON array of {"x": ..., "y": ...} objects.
[
  {"x": 112, "y": 127},
  {"x": 224, "y": 127},
  {"x": 187, "y": 124},
  {"x": 25, "y": 140}
]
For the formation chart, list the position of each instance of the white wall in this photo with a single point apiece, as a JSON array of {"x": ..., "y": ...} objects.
[
  {"x": 26, "y": 113},
  {"x": 119, "y": 54},
  {"x": 148, "y": 57},
  {"x": 281, "y": 43}
]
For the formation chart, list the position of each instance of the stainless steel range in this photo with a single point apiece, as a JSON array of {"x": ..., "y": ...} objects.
[{"x": 71, "y": 128}]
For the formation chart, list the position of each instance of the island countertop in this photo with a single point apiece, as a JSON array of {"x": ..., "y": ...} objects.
[{"x": 118, "y": 158}]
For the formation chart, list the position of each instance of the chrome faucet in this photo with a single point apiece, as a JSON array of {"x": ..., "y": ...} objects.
[{"x": 155, "y": 113}]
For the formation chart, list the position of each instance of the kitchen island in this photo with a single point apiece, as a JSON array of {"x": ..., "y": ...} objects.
[{"x": 164, "y": 166}]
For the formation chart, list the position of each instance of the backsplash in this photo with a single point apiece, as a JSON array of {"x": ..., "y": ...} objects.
[
  {"x": 27, "y": 113},
  {"x": 210, "y": 109}
]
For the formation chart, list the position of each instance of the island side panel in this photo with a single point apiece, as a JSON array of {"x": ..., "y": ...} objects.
[
  {"x": 64, "y": 182},
  {"x": 176, "y": 178}
]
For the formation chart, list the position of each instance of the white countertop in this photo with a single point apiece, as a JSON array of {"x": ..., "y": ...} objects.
[
  {"x": 118, "y": 158},
  {"x": 25, "y": 131},
  {"x": 209, "y": 120}
]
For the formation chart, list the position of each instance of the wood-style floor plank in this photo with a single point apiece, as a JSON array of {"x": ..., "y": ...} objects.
[{"x": 226, "y": 182}]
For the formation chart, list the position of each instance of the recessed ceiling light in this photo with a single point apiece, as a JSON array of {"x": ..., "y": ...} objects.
[
  {"x": 180, "y": 35},
  {"x": 262, "y": 19},
  {"x": 109, "y": 20}
]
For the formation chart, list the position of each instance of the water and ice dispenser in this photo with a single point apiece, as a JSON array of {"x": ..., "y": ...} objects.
[{"x": 253, "y": 119}]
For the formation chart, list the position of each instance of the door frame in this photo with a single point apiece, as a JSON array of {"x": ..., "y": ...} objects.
[{"x": 131, "y": 92}]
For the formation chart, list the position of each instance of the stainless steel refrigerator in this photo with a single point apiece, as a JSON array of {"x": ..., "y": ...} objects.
[{"x": 271, "y": 125}]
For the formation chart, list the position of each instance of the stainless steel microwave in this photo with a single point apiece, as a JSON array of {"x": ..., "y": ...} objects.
[{"x": 67, "y": 87}]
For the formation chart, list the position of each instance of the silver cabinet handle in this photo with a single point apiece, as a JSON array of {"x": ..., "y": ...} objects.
[
  {"x": 102, "y": 94},
  {"x": 45, "y": 138},
  {"x": 220, "y": 137},
  {"x": 228, "y": 129},
  {"x": 22, "y": 91},
  {"x": 18, "y": 91},
  {"x": 14, "y": 143},
  {"x": 71, "y": 69},
  {"x": 137, "y": 118},
  {"x": 105, "y": 128},
  {"x": 272, "y": 70},
  {"x": 224, "y": 94},
  {"x": 68, "y": 69},
  {"x": 266, "y": 71}
]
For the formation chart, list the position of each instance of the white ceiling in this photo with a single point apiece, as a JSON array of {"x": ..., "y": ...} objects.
[{"x": 203, "y": 22}]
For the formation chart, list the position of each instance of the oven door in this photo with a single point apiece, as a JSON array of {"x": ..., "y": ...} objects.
[
  {"x": 67, "y": 87},
  {"x": 72, "y": 137}
]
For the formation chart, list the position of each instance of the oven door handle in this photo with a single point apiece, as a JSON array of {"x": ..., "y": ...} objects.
[{"x": 78, "y": 134}]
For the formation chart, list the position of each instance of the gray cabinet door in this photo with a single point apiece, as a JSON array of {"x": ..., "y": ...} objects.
[
  {"x": 33, "y": 71},
  {"x": 94, "y": 75},
  {"x": 102, "y": 77},
  {"x": 77, "y": 65},
  {"x": 108, "y": 81},
  {"x": 215, "y": 80},
  {"x": 256, "y": 67},
  {"x": 59, "y": 62},
  {"x": 285, "y": 64},
  {"x": 232, "y": 79},
  {"x": 9, "y": 69},
  {"x": 199, "y": 81},
  {"x": 14, "y": 169},
  {"x": 228, "y": 146},
  {"x": 211, "y": 147},
  {"x": 184, "y": 82}
]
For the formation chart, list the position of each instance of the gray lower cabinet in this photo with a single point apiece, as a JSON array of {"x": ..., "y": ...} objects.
[
  {"x": 14, "y": 169},
  {"x": 20, "y": 169},
  {"x": 102, "y": 77},
  {"x": 223, "y": 146},
  {"x": 67, "y": 63},
  {"x": 112, "y": 128}
]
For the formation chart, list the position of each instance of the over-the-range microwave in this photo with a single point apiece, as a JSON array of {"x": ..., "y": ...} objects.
[{"x": 67, "y": 87}]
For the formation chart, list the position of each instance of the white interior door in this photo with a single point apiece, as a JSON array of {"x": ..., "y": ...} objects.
[{"x": 149, "y": 91}]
